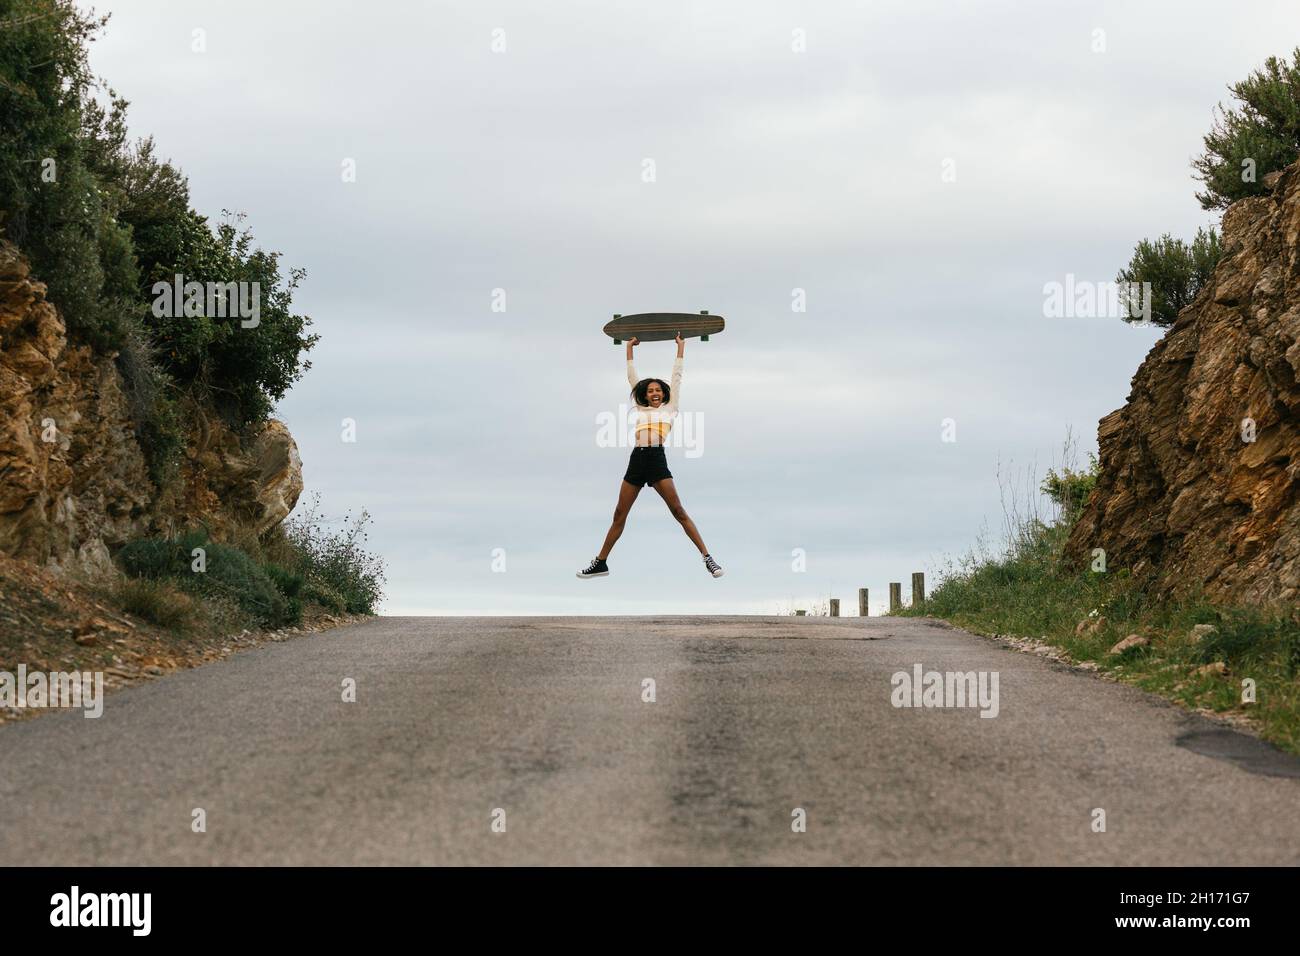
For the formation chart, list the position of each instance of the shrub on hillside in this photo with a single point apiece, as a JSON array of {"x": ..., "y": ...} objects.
[
  {"x": 102, "y": 220},
  {"x": 1176, "y": 270},
  {"x": 240, "y": 371},
  {"x": 290, "y": 584},
  {"x": 1259, "y": 135},
  {"x": 1069, "y": 489},
  {"x": 226, "y": 572},
  {"x": 53, "y": 206},
  {"x": 335, "y": 563}
]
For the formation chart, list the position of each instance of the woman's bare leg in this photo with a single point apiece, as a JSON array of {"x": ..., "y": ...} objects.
[
  {"x": 626, "y": 495},
  {"x": 668, "y": 492}
]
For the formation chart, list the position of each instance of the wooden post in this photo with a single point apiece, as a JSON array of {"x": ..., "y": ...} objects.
[
  {"x": 835, "y": 607},
  {"x": 862, "y": 602},
  {"x": 895, "y": 596},
  {"x": 918, "y": 588}
]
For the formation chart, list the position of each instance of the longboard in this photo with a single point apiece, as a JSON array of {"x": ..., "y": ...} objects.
[{"x": 664, "y": 326}]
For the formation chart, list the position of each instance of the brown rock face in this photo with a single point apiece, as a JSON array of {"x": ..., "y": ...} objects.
[
  {"x": 1199, "y": 470},
  {"x": 251, "y": 482},
  {"x": 73, "y": 481},
  {"x": 72, "y": 478}
]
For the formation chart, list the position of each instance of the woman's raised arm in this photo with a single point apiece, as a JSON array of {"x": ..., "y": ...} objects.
[
  {"x": 631, "y": 372},
  {"x": 675, "y": 386}
]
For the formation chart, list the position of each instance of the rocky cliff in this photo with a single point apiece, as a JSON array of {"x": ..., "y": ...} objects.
[
  {"x": 1199, "y": 469},
  {"x": 73, "y": 481}
]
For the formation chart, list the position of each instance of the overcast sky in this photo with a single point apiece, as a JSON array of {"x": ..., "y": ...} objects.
[{"x": 919, "y": 170}]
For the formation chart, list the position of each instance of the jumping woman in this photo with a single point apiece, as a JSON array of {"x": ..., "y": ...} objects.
[{"x": 656, "y": 407}]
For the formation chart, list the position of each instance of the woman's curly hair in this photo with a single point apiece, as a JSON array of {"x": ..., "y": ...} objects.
[{"x": 639, "y": 393}]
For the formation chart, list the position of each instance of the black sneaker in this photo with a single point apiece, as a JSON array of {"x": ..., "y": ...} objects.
[
  {"x": 597, "y": 569},
  {"x": 712, "y": 566}
]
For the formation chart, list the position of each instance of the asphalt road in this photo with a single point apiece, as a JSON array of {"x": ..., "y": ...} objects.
[{"x": 543, "y": 720}]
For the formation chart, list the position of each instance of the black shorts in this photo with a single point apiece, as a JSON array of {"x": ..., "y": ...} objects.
[{"x": 647, "y": 465}]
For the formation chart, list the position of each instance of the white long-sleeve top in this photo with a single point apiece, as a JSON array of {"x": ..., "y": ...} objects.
[{"x": 653, "y": 424}]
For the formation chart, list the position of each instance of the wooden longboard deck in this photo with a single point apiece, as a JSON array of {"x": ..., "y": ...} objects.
[{"x": 664, "y": 326}]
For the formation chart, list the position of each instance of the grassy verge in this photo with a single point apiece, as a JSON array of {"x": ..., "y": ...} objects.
[
  {"x": 130, "y": 630},
  {"x": 1026, "y": 592},
  {"x": 267, "y": 581}
]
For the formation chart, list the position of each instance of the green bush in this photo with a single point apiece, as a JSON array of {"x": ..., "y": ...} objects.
[
  {"x": 1257, "y": 136},
  {"x": 324, "y": 595},
  {"x": 228, "y": 572},
  {"x": 290, "y": 584},
  {"x": 336, "y": 564},
  {"x": 154, "y": 558},
  {"x": 240, "y": 371},
  {"x": 53, "y": 205},
  {"x": 113, "y": 219},
  {"x": 1263, "y": 128},
  {"x": 1069, "y": 489},
  {"x": 1176, "y": 270},
  {"x": 287, "y": 582}
]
